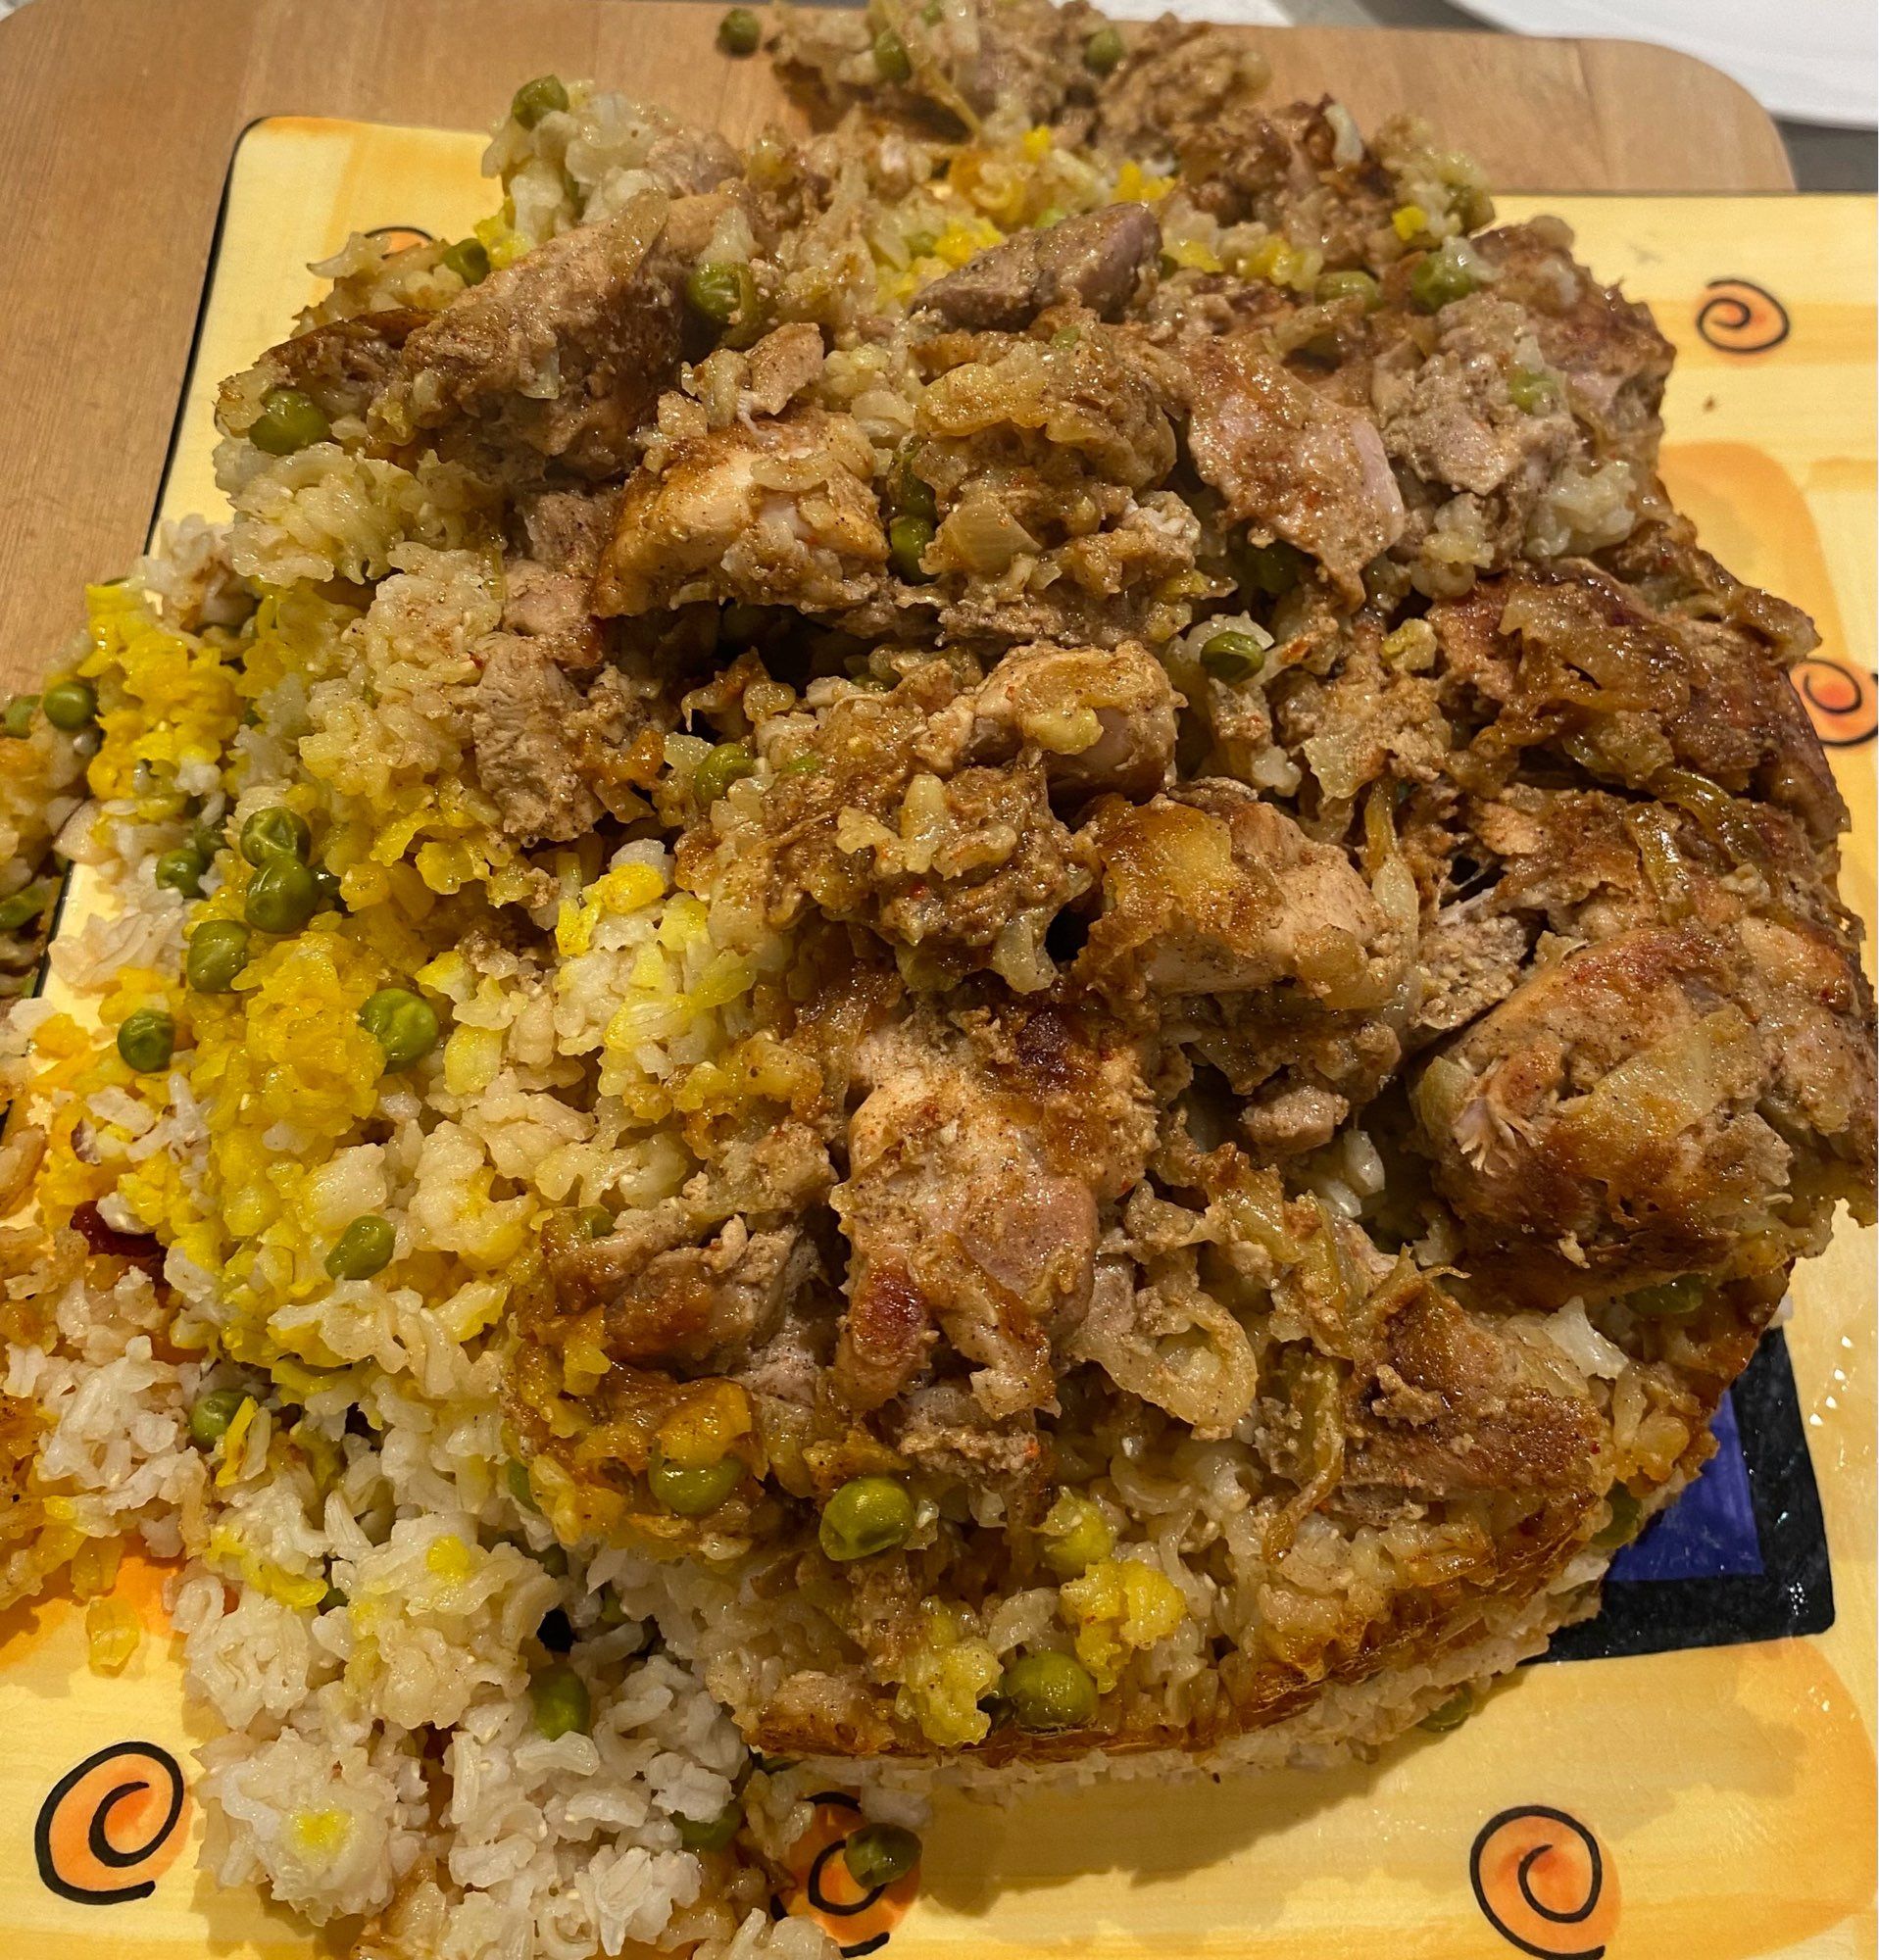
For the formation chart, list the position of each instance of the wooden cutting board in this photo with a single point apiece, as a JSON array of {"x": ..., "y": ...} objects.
[{"x": 118, "y": 119}]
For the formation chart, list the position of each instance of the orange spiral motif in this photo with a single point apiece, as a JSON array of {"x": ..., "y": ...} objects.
[
  {"x": 1544, "y": 1884},
  {"x": 1841, "y": 702},
  {"x": 1739, "y": 317},
  {"x": 396, "y": 237},
  {"x": 119, "y": 1813},
  {"x": 858, "y": 1918}
]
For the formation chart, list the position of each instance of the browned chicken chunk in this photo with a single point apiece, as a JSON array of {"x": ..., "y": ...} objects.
[
  {"x": 564, "y": 352},
  {"x": 978, "y": 1163},
  {"x": 1290, "y": 463},
  {"x": 773, "y": 512},
  {"x": 1103, "y": 259}
]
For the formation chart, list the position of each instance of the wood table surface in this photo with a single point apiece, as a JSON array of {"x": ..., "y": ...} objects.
[{"x": 118, "y": 119}]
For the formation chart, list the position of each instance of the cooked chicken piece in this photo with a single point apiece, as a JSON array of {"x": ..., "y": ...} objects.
[
  {"x": 1619, "y": 1119},
  {"x": 548, "y": 609},
  {"x": 968, "y": 868},
  {"x": 1550, "y": 646},
  {"x": 1467, "y": 1403},
  {"x": 1101, "y": 721},
  {"x": 546, "y": 755},
  {"x": 1609, "y": 348},
  {"x": 1212, "y": 891},
  {"x": 566, "y": 530},
  {"x": 1103, "y": 259},
  {"x": 1466, "y": 962},
  {"x": 1298, "y": 1074},
  {"x": 693, "y": 1307},
  {"x": 781, "y": 366},
  {"x": 978, "y": 1164},
  {"x": 1453, "y": 421},
  {"x": 1370, "y": 716},
  {"x": 999, "y": 1464},
  {"x": 564, "y": 352},
  {"x": 342, "y": 363},
  {"x": 776, "y": 513},
  {"x": 1180, "y": 79},
  {"x": 1290, "y": 463}
]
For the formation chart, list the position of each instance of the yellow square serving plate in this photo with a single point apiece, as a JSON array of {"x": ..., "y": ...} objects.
[{"x": 1712, "y": 1800}]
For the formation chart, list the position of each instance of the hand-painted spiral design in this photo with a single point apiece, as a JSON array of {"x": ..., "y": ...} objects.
[
  {"x": 858, "y": 1918},
  {"x": 1739, "y": 317},
  {"x": 1544, "y": 1884},
  {"x": 119, "y": 1812},
  {"x": 1841, "y": 702}
]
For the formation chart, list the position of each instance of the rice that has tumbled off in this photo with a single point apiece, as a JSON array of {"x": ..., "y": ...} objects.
[{"x": 971, "y": 947}]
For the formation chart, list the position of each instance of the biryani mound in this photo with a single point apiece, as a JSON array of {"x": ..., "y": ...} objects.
[{"x": 1182, "y": 951}]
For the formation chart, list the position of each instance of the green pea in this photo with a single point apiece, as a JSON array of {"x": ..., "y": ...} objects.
[
  {"x": 1232, "y": 656},
  {"x": 722, "y": 293},
  {"x": 1271, "y": 568},
  {"x": 908, "y": 538},
  {"x": 740, "y": 31},
  {"x": 910, "y": 492},
  {"x": 70, "y": 705},
  {"x": 728, "y": 763},
  {"x": 519, "y": 1487},
  {"x": 25, "y": 905},
  {"x": 1450, "y": 1715},
  {"x": 1670, "y": 1300},
  {"x": 1531, "y": 389},
  {"x": 1623, "y": 1526},
  {"x": 211, "y": 1413},
  {"x": 866, "y": 1516},
  {"x": 1103, "y": 52},
  {"x": 805, "y": 763},
  {"x": 1084, "y": 1540},
  {"x": 326, "y": 889},
  {"x": 218, "y": 952},
  {"x": 205, "y": 840},
  {"x": 560, "y": 1702},
  {"x": 468, "y": 258},
  {"x": 710, "y": 1834},
  {"x": 290, "y": 420},
  {"x": 593, "y": 1221},
  {"x": 1065, "y": 338},
  {"x": 693, "y": 1491},
  {"x": 891, "y": 62},
  {"x": 180, "y": 870},
  {"x": 363, "y": 1248},
  {"x": 545, "y": 95},
  {"x": 1049, "y": 1692},
  {"x": 275, "y": 832},
  {"x": 147, "y": 1040},
  {"x": 403, "y": 1023},
  {"x": 21, "y": 710},
  {"x": 1350, "y": 283},
  {"x": 879, "y": 1855},
  {"x": 922, "y": 242},
  {"x": 282, "y": 897},
  {"x": 1437, "y": 279}
]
